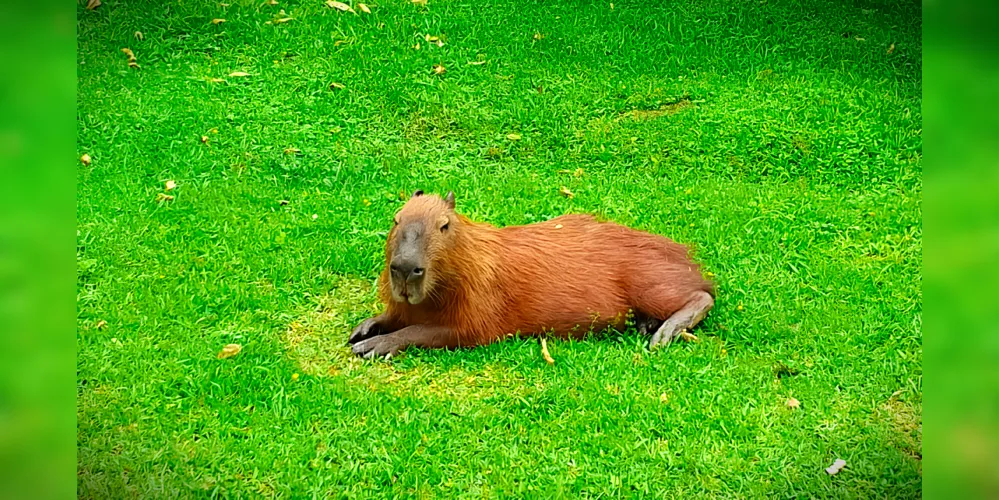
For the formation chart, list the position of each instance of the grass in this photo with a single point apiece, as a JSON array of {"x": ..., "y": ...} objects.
[{"x": 781, "y": 139}]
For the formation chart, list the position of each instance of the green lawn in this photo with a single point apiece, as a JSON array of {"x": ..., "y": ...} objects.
[{"x": 781, "y": 139}]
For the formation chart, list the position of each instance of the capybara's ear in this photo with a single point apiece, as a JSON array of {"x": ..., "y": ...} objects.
[
  {"x": 449, "y": 199},
  {"x": 419, "y": 192}
]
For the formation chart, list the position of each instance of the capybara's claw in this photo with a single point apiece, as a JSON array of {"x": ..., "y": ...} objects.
[{"x": 384, "y": 345}]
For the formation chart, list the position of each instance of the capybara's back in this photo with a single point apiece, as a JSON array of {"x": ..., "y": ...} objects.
[{"x": 573, "y": 274}]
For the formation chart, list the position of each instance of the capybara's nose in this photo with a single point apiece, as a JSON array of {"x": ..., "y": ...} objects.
[{"x": 407, "y": 271}]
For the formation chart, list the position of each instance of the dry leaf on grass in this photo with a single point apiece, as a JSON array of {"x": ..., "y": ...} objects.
[
  {"x": 513, "y": 136},
  {"x": 565, "y": 192},
  {"x": 689, "y": 337},
  {"x": 793, "y": 403},
  {"x": 229, "y": 351},
  {"x": 85, "y": 160},
  {"x": 836, "y": 467},
  {"x": 161, "y": 197},
  {"x": 294, "y": 377},
  {"x": 239, "y": 73},
  {"x": 218, "y": 21},
  {"x": 433, "y": 40},
  {"x": 538, "y": 36},
  {"x": 337, "y": 86},
  {"x": 342, "y": 7},
  {"x": 272, "y": 2},
  {"x": 170, "y": 185},
  {"x": 283, "y": 202},
  {"x": 292, "y": 151},
  {"x": 93, "y": 4},
  {"x": 132, "y": 62},
  {"x": 544, "y": 352},
  {"x": 439, "y": 69},
  {"x": 139, "y": 35},
  {"x": 891, "y": 48},
  {"x": 204, "y": 139},
  {"x": 663, "y": 398},
  {"x": 419, "y": 2},
  {"x": 101, "y": 324},
  {"x": 364, "y": 8}
]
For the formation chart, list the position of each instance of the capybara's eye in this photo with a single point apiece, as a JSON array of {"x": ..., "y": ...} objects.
[{"x": 444, "y": 227}]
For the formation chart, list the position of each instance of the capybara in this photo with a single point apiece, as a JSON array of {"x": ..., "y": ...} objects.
[{"x": 451, "y": 282}]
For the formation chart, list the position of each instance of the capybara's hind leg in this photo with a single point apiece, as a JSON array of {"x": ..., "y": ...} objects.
[{"x": 686, "y": 318}]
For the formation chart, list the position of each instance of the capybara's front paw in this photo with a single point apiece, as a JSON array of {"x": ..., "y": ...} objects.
[
  {"x": 382, "y": 345},
  {"x": 367, "y": 329}
]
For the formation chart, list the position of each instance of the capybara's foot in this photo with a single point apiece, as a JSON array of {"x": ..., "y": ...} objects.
[
  {"x": 367, "y": 329},
  {"x": 686, "y": 318},
  {"x": 381, "y": 345}
]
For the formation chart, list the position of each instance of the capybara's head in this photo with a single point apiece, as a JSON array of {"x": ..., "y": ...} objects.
[{"x": 423, "y": 233}]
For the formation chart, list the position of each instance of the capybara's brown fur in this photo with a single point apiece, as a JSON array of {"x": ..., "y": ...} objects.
[{"x": 566, "y": 276}]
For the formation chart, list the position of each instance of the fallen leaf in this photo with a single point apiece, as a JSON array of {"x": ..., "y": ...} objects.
[
  {"x": 891, "y": 48},
  {"x": 578, "y": 173},
  {"x": 342, "y": 7},
  {"x": 272, "y": 2},
  {"x": 565, "y": 192},
  {"x": 128, "y": 53},
  {"x": 161, "y": 197},
  {"x": 213, "y": 130},
  {"x": 218, "y": 21},
  {"x": 170, "y": 185},
  {"x": 544, "y": 352},
  {"x": 663, "y": 398},
  {"x": 283, "y": 202},
  {"x": 101, "y": 324},
  {"x": 513, "y": 136},
  {"x": 417, "y": 46},
  {"x": 538, "y": 36},
  {"x": 558, "y": 226},
  {"x": 337, "y": 86},
  {"x": 294, "y": 377},
  {"x": 689, "y": 337},
  {"x": 204, "y": 139},
  {"x": 133, "y": 64},
  {"x": 433, "y": 40},
  {"x": 419, "y": 2},
  {"x": 364, "y": 8},
  {"x": 93, "y": 4},
  {"x": 229, "y": 351},
  {"x": 439, "y": 69},
  {"x": 139, "y": 35},
  {"x": 836, "y": 467},
  {"x": 476, "y": 63},
  {"x": 793, "y": 403},
  {"x": 239, "y": 73},
  {"x": 85, "y": 160},
  {"x": 292, "y": 151}
]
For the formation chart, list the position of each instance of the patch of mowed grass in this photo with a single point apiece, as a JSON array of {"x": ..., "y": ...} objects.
[{"x": 779, "y": 138}]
